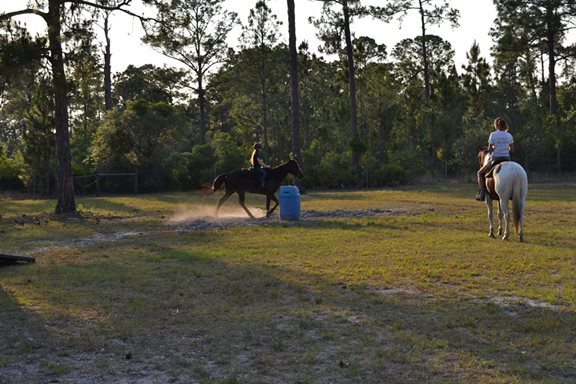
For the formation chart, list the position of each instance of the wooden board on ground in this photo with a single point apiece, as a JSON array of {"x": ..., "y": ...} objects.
[{"x": 12, "y": 259}]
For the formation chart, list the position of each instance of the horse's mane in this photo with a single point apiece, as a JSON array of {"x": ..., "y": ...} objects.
[
  {"x": 281, "y": 165},
  {"x": 482, "y": 153}
]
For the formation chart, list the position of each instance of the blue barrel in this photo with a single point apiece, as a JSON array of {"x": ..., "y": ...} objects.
[{"x": 289, "y": 202}]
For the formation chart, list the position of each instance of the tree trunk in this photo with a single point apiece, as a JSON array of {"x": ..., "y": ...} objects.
[
  {"x": 108, "y": 103},
  {"x": 352, "y": 86},
  {"x": 542, "y": 70},
  {"x": 425, "y": 56},
  {"x": 202, "y": 105},
  {"x": 426, "y": 116},
  {"x": 551, "y": 37},
  {"x": 553, "y": 102},
  {"x": 64, "y": 179},
  {"x": 295, "y": 98},
  {"x": 264, "y": 95}
]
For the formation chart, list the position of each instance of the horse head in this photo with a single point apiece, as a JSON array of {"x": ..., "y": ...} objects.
[{"x": 294, "y": 168}]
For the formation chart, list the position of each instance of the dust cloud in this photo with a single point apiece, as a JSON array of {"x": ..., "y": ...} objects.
[{"x": 207, "y": 212}]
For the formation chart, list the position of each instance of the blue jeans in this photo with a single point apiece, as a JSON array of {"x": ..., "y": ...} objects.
[
  {"x": 498, "y": 160},
  {"x": 261, "y": 175}
]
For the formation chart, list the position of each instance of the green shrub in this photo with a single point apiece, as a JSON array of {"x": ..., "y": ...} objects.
[
  {"x": 409, "y": 161},
  {"x": 334, "y": 171},
  {"x": 229, "y": 154},
  {"x": 394, "y": 174},
  {"x": 11, "y": 169},
  {"x": 200, "y": 163},
  {"x": 373, "y": 175}
]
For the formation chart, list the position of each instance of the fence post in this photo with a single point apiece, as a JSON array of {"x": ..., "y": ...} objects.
[{"x": 136, "y": 183}]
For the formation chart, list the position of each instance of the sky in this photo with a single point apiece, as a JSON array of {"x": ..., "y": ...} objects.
[{"x": 476, "y": 19}]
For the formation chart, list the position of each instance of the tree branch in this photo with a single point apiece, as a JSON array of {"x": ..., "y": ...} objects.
[
  {"x": 117, "y": 7},
  {"x": 28, "y": 11}
]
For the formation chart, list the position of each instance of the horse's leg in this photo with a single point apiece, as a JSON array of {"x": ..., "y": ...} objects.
[
  {"x": 521, "y": 223},
  {"x": 490, "y": 207},
  {"x": 520, "y": 215},
  {"x": 241, "y": 201},
  {"x": 275, "y": 203},
  {"x": 267, "y": 206},
  {"x": 500, "y": 217},
  {"x": 222, "y": 200},
  {"x": 505, "y": 214}
]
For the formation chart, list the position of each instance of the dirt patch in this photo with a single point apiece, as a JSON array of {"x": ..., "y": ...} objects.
[
  {"x": 359, "y": 213},
  {"x": 208, "y": 212},
  {"x": 44, "y": 218},
  {"x": 395, "y": 291},
  {"x": 44, "y": 246},
  {"x": 198, "y": 218},
  {"x": 202, "y": 219},
  {"x": 511, "y": 303}
]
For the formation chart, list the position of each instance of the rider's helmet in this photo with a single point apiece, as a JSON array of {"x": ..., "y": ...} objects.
[{"x": 257, "y": 146}]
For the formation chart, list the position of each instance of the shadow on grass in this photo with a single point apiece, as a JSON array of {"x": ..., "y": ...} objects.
[
  {"x": 172, "y": 198},
  {"x": 15, "y": 208},
  {"x": 344, "y": 195},
  {"x": 108, "y": 204},
  {"x": 24, "y": 336},
  {"x": 191, "y": 315}
]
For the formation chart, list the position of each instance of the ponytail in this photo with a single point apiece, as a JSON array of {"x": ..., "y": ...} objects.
[{"x": 501, "y": 124}]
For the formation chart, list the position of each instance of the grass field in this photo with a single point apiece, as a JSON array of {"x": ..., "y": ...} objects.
[{"x": 143, "y": 289}]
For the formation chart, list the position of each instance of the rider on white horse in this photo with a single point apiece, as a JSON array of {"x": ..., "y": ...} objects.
[{"x": 501, "y": 144}]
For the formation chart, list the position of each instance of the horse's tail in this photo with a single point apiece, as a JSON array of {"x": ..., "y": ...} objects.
[
  {"x": 519, "y": 199},
  {"x": 218, "y": 182}
]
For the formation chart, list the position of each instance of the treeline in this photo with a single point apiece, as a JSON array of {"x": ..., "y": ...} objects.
[{"x": 413, "y": 112}]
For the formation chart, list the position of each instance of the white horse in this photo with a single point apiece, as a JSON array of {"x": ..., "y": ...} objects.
[{"x": 508, "y": 182}]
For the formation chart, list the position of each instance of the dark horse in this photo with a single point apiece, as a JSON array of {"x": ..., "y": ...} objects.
[{"x": 246, "y": 180}]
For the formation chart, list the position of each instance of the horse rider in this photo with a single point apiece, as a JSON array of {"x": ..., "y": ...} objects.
[
  {"x": 258, "y": 164},
  {"x": 501, "y": 144}
]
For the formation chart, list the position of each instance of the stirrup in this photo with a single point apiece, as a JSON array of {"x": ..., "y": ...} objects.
[{"x": 480, "y": 196}]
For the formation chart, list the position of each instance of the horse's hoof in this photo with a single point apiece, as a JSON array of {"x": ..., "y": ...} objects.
[{"x": 505, "y": 237}]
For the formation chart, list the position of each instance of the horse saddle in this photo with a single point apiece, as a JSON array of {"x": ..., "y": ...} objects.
[
  {"x": 251, "y": 173},
  {"x": 493, "y": 170}
]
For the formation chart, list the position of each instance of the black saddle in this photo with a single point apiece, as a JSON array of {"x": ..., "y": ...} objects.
[
  {"x": 493, "y": 170},
  {"x": 251, "y": 173}
]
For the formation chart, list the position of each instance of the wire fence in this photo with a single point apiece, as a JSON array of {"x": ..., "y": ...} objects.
[
  {"x": 92, "y": 184},
  {"x": 106, "y": 183}
]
